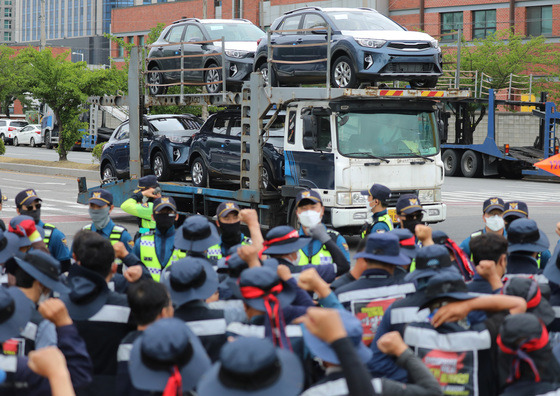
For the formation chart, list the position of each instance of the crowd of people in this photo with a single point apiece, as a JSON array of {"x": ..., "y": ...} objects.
[{"x": 200, "y": 308}]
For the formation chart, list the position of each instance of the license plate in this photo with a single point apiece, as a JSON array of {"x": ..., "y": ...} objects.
[{"x": 393, "y": 214}]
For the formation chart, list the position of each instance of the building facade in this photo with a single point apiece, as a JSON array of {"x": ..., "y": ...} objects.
[{"x": 7, "y": 24}]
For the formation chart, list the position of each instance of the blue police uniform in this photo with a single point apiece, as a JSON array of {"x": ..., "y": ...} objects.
[
  {"x": 57, "y": 243},
  {"x": 315, "y": 246},
  {"x": 164, "y": 246},
  {"x": 379, "y": 226},
  {"x": 465, "y": 244},
  {"x": 107, "y": 231}
]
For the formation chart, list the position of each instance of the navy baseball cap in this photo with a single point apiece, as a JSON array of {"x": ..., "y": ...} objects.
[
  {"x": 253, "y": 366},
  {"x": 493, "y": 203},
  {"x": 4, "y": 198},
  {"x": 265, "y": 279},
  {"x": 196, "y": 234},
  {"x": 189, "y": 279},
  {"x": 324, "y": 351},
  {"x": 148, "y": 182},
  {"x": 26, "y": 197},
  {"x": 164, "y": 202},
  {"x": 385, "y": 248},
  {"x": 515, "y": 210},
  {"x": 88, "y": 293},
  {"x": 407, "y": 204},
  {"x": 226, "y": 208},
  {"x": 433, "y": 257},
  {"x": 529, "y": 289},
  {"x": 9, "y": 245},
  {"x": 101, "y": 197},
  {"x": 308, "y": 195},
  {"x": 448, "y": 284},
  {"x": 44, "y": 268},
  {"x": 524, "y": 235},
  {"x": 284, "y": 240},
  {"x": 407, "y": 241},
  {"x": 378, "y": 191},
  {"x": 15, "y": 312},
  {"x": 166, "y": 344}
]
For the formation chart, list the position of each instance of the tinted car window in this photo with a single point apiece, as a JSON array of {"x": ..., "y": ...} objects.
[
  {"x": 235, "y": 129},
  {"x": 220, "y": 126},
  {"x": 18, "y": 123},
  {"x": 2, "y": 123},
  {"x": 123, "y": 133},
  {"x": 193, "y": 32},
  {"x": 313, "y": 21},
  {"x": 290, "y": 23},
  {"x": 27, "y": 128},
  {"x": 174, "y": 35},
  {"x": 362, "y": 20},
  {"x": 234, "y": 31}
]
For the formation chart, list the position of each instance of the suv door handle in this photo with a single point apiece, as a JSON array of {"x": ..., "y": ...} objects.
[
  {"x": 299, "y": 40},
  {"x": 160, "y": 48},
  {"x": 227, "y": 142}
]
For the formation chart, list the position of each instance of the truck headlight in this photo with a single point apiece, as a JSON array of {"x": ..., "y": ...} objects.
[
  {"x": 426, "y": 196},
  {"x": 351, "y": 198},
  {"x": 344, "y": 198}
]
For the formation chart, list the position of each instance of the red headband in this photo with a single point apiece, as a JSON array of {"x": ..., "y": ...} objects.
[
  {"x": 174, "y": 385},
  {"x": 408, "y": 242},
  {"x": 267, "y": 244}
]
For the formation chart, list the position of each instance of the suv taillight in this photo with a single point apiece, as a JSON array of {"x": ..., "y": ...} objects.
[
  {"x": 259, "y": 41},
  {"x": 11, "y": 129}
]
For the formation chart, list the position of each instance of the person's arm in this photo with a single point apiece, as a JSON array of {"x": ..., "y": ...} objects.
[
  {"x": 50, "y": 363},
  {"x": 126, "y": 239},
  {"x": 135, "y": 208},
  {"x": 302, "y": 298},
  {"x": 424, "y": 234},
  {"x": 458, "y": 310},
  {"x": 326, "y": 324},
  {"x": 251, "y": 218},
  {"x": 422, "y": 382},
  {"x": 309, "y": 280},
  {"x": 320, "y": 233}
]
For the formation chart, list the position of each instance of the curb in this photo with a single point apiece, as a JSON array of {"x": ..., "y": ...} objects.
[{"x": 50, "y": 170}]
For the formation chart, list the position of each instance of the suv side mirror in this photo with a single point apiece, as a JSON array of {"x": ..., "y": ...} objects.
[
  {"x": 320, "y": 30},
  {"x": 310, "y": 128}
]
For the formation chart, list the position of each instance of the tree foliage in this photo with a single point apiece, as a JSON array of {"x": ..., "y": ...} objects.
[
  {"x": 10, "y": 80},
  {"x": 65, "y": 87}
]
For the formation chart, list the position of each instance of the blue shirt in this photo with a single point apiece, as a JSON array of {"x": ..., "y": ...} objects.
[
  {"x": 315, "y": 246},
  {"x": 164, "y": 244},
  {"x": 379, "y": 226},
  {"x": 57, "y": 244},
  {"x": 106, "y": 232},
  {"x": 465, "y": 244}
]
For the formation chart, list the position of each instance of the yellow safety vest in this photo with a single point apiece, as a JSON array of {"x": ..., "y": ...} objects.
[
  {"x": 214, "y": 252},
  {"x": 48, "y": 228},
  {"x": 149, "y": 257},
  {"x": 114, "y": 236},
  {"x": 323, "y": 256},
  {"x": 383, "y": 219}
]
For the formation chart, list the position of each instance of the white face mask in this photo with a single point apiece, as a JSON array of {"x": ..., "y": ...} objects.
[
  {"x": 298, "y": 257},
  {"x": 495, "y": 223},
  {"x": 309, "y": 218}
]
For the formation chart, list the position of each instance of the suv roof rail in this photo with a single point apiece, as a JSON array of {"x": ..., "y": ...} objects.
[
  {"x": 303, "y": 8},
  {"x": 367, "y": 9},
  {"x": 183, "y": 19}
]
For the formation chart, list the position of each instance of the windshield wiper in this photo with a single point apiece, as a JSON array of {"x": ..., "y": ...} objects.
[
  {"x": 423, "y": 157},
  {"x": 369, "y": 156}
]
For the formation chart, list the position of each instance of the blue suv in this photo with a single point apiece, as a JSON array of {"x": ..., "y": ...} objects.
[{"x": 365, "y": 47}]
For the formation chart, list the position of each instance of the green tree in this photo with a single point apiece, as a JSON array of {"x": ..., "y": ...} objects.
[
  {"x": 10, "y": 80},
  {"x": 65, "y": 87}
]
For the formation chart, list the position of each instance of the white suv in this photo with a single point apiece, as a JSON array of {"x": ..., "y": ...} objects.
[{"x": 8, "y": 128}]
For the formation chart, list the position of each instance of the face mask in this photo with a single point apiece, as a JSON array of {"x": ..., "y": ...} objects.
[
  {"x": 164, "y": 221},
  {"x": 309, "y": 218},
  {"x": 35, "y": 214},
  {"x": 495, "y": 223},
  {"x": 231, "y": 233},
  {"x": 296, "y": 260},
  {"x": 411, "y": 224},
  {"x": 100, "y": 217}
]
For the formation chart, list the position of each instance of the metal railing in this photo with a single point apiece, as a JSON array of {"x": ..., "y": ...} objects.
[{"x": 182, "y": 70}]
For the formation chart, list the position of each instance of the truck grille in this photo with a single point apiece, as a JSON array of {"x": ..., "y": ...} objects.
[
  {"x": 409, "y": 68},
  {"x": 409, "y": 46},
  {"x": 395, "y": 196}
]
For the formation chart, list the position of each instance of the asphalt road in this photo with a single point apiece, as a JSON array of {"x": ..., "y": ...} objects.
[
  {"x": 41, "y": 153},
  {"x": 464, "y": 198}
]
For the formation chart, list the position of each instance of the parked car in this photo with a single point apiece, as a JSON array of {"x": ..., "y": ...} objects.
[
  {"x": 165, "y": 146},
  {"x": 241, "y": 42},
  {"x": 216, "y": 150},
  {"x": 365, "y": 47},
  {"x": 8, "y": 129},
  {"x": 29, "y": 134}
]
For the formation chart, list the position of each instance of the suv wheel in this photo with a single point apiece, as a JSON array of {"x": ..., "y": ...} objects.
[
  {"x": 108, "y": 172},
  {"x": 343, "y": 74},
  {"x": 160, "y": 167},
  {"x": 267, "y": 178},
  {"x": 16, "y": 142},
  {"x": 212, "y": 76},
  {"x": 199, "y": 172},
  {"x": 157, "y": 79},
  {"x": 263, "y": 69}
]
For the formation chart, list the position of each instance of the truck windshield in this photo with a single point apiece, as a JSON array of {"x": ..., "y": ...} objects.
[{"x": 389, "y": 134}]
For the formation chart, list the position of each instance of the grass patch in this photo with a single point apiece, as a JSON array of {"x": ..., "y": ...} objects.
[{"x": 55, "y": 164}]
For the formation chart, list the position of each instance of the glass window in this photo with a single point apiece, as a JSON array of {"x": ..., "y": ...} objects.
[
  {"x": 362, "y": 20},
  {"x": 235, "y": 129},
  {"x": 314, "y": 21},
  {"x": 324, "y": 134},
  {"x": 147, "y": 1},
  {"x": 18, "y": 124},
  {"x": 290, "y": 23},
  {"x": 234, "y": 31},
  {"x": 396, "y": 134},
  {"x": 168, "y": 124},
  {"x": 451, "y": 22},
  {"x": 8, "y": 12},
  {"x": 174, "y": 35},
  {"x": 123, "y": 133},
  {"x": 131, "y": 39},
  {"x": 539, "y": 21},
  {"x": 194, "y": 33},
  {"x": 8, "y": 2},
  {"x": 7, "y": 36},
  {"x": 120, "y": 51},
  {"x": 292, "y": 127},
  {"x": 220, "y": 125},
  {"x": 484, "y": 23},
  {"x": 141, "y": 41},
  {"x": 7, "y": 24}
]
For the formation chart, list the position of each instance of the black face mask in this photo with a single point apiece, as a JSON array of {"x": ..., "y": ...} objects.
[
  {"x": 35, "y": 214},
  {"x": 164, "y": 221},
  {"x": 411, "y": 224},
  {"x": 231, "y": 233}
]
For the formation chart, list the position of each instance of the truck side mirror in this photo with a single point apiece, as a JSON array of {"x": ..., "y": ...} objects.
[{"x": 310, "y": 128}]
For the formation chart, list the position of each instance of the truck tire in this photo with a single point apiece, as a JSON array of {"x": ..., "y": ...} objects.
[
  {"x": 451, "y": 162},
  {"x": 48, "y": 144},
  {"x": 471, "y": 164},
  {"x": 199, "y": 172}
]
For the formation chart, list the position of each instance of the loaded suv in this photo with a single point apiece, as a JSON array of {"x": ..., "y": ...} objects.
[
  {"x": 165, "y": 146},
  {"x": 365, "y": 47},
  {"x": 203, "y": 37},
  {"x": 215, "y": 151}
]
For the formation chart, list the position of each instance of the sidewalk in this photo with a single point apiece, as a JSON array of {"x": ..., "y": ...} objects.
[{"x": 52, "y": 168}]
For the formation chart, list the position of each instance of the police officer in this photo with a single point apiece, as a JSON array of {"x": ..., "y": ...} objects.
[
  {"x": 100, "y": 207},
  {"x": 378, "y": 195},
  {"x": 229, "y": 218},
  {"x": 141, "y": 203},
  {"x": 409, "y": 212},
  {"x": 492, "y": 211},
  {"x": 327, "y": 246},
  {"x": 28, "y": 203},
  {"x": 155, "y": 249},
  {"x": 196, "y": 236}
]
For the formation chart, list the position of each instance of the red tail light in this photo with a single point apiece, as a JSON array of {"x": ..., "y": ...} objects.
[
  {"x": 259, "y": 41},
  {"x": 555, "y": 149},
  {"x": 11, "y": 129},
  {"x": 38, "y": 132},
  {"x": 506, "y": 148}
]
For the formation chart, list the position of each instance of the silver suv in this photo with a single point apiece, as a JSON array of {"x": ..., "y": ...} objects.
[{"x": 8, "y": 128}]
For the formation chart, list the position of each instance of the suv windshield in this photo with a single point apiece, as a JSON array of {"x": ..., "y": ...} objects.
[
  {"x": 173, "y": 124},
  {"x": 388, "y": 134},
  {"x": 362, "y": 20},
  {"x": 234, "y": 31}
]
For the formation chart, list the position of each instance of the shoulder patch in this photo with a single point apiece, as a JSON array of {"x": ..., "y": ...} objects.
[
  {"x": 145, "y": 204},
  {"x": 64, "y": 241},
  {"x": 380, "y": 231},
  {"x": 345, "y": 246},
  {"x": 131, "y": 243}
]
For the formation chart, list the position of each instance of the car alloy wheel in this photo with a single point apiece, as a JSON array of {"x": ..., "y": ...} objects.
[
  {"x": 156, "y": 79},
  {"x": 16, "y": 143},
  {"x": 212, "y": 76},
  {"x": 108, "y": 172},
  {"x": 158, "y": 167},
  {"x": 342, "y": 74},
  {"x": 197, "y": 173}
]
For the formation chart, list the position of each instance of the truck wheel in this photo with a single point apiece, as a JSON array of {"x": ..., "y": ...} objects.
[
  {"x": 160, "y": 167},
  {"x": 199, "y": 172},
  {"x": 48, "y": 144},
  {"x": 471, "y": 164},
  {"x": 451, "y": 162}
]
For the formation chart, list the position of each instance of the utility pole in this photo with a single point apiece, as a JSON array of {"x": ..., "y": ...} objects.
[
  {"x": 458, "y": 71},
  {"x": 42, "y": 19}
]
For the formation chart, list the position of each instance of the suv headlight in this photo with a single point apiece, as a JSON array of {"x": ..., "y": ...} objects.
[
  {"x": 426, "y": 196},
  {"x": 237, "y": 53},
  {"x": 371, "y": 43},
  {"x": 351, "y": 198},
  {"x": 434, "y": 43},
  {"x": 178, "y": 139}
]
